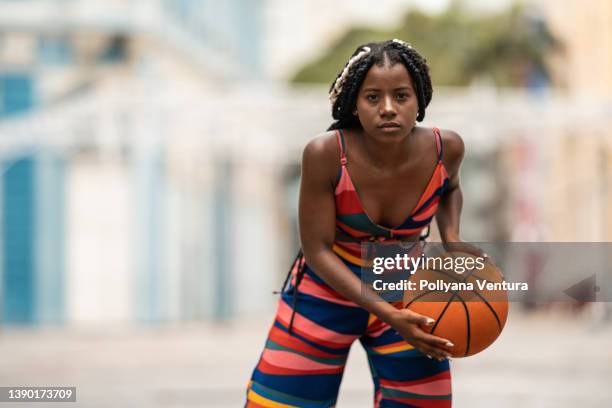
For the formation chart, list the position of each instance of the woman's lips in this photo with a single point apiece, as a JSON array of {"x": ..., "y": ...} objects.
[
  {"x": 389, "y": 126},
  {"x": 386, "y": 125}
]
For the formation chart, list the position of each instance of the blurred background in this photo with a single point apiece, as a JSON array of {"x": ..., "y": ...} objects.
[{"x": 149, "y": 169}]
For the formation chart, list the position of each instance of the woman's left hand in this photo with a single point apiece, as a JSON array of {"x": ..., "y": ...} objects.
[{"x": 459, "y": 245}]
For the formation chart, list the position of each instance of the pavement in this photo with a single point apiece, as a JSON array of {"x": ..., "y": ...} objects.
[{"x": 544, "y": 359}]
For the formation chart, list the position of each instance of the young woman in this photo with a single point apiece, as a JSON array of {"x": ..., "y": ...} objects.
[{"x": 373, "y": 176}]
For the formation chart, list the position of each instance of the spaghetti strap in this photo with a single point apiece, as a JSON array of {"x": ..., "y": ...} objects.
[
  {"x": 439, "y": 144},
  {"x": 342, "y": 145}
]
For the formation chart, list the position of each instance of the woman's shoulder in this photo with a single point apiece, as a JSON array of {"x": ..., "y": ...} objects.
[
  {"x": 453, "y": 148},
  {"x": 322, "y": 155},
  {"x": 323, "y": 146},
  {"x": 451, "y": 138}
]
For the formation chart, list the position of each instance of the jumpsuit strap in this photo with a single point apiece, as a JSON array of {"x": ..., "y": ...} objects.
[
  {"x": 439, "y": 145},
  {"x": 342, "y": 145}
]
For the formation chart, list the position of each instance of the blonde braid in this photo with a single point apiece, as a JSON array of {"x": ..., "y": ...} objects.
[
  {"x": 337, "y": 88},
  {"x": 400, "y": 42}
]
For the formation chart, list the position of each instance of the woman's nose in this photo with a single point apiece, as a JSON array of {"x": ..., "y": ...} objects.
[{"x": 387, "y": 108}]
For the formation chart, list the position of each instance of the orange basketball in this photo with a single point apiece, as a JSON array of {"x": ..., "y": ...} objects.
[{"x": 469, "y": 305}]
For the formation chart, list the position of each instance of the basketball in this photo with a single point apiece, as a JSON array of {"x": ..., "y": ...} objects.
[{"x": 469, "y": 304}]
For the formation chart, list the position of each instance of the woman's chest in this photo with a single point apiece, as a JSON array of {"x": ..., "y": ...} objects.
[{"x": 389, "y": 197}]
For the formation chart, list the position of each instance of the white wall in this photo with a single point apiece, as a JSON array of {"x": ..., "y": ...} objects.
[{"x": 99, "y": 242}]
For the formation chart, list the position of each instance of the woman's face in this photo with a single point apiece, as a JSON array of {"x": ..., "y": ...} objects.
[{"x": 387, "y": 104}]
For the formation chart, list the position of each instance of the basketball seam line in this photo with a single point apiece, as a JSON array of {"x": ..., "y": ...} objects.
[
  {"x": 486, "y": 302},
  {"x": 446, "y": 307}
]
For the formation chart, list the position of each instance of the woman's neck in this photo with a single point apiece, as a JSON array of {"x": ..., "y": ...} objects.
[{"x": 388, "y": 154}]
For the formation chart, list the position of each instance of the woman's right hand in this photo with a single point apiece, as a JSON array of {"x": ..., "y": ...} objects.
[{"x": 406, "y": 323}]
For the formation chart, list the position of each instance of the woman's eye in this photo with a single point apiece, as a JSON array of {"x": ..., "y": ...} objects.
[
  {"x": 402, "y": 96},
  {"x": 372, "y": 97}
]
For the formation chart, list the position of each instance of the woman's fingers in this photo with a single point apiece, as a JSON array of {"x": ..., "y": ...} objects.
[
  {"x": 435, "y": 341},
  {"x": 466, "y": 247},
  {"x": 435, "y": 350},
  {"x": 428, "y": 350},
  {"x": 415, "y": 318},
  {"x": 436, "y": 347},
  {"x": 419, "y": 334}
]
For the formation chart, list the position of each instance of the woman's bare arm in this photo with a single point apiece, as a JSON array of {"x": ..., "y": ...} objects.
[{"x": 451, "y": 203}]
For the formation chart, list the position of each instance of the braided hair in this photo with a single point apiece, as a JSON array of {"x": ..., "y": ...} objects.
[{"x": 344, "y": 90}]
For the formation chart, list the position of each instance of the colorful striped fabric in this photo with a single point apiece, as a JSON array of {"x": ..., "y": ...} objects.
[
  {"x": 304, "y": 367},
  {"x": 353, "y": 225},
  {"x": 308, "y": 344}
]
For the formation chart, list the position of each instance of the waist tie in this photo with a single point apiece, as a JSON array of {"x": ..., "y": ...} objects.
[{"x": 298, "y": 263}]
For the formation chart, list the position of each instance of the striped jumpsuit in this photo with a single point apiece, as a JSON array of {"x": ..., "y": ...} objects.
[{"x": 307, "y": 346}]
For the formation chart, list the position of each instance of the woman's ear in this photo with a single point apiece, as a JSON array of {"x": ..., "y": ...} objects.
[{"x": 355, "y": 111}]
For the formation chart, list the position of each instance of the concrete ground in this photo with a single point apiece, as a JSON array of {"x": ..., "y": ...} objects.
[{"x": 541, "y": 360}]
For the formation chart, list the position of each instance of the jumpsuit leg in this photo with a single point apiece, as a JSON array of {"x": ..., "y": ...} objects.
[
  {"x": 402, "y": 375},
  {"x": 304, "y": 368}
]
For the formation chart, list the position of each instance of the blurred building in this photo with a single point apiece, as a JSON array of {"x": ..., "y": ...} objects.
[
  {"x": 150, "y": 164},
  {"x": 585, "y": 28},
  {"x": 84, "y": 87},
  {"x": 583, "y": 70}
]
